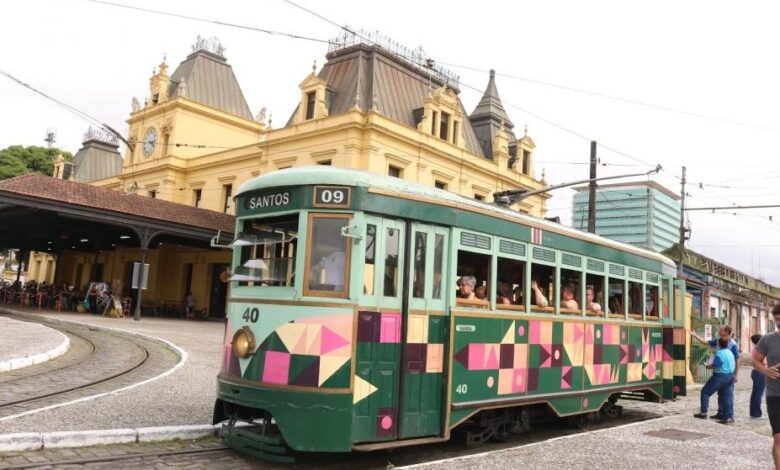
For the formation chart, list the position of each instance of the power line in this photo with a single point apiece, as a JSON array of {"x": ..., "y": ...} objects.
[{"x": 217, "y": 22}]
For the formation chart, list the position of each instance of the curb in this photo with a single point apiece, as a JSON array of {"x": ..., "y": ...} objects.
[
  {"x": 21, "y": 442},
  {"x": 21, "y": 362}
]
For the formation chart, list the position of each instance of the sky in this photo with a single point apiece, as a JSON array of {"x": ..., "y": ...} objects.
[{"x": 693, "y": 84}]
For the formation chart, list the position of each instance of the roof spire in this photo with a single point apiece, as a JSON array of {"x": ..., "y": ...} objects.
[{"x": 490, "y": 105}]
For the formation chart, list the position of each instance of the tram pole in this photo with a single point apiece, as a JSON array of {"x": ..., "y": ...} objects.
[
  {"x": 592, "y": 189},
  {"x": 682, "y": 224}
]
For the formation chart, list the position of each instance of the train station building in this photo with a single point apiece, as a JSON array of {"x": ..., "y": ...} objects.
[{"x": 376, "y": 107}]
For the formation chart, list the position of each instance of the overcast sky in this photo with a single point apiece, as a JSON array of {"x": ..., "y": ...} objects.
[{"x": 715, "y": 62}]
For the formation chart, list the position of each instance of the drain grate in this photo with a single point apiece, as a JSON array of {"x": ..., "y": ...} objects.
[{"x": 677, "y": 434}]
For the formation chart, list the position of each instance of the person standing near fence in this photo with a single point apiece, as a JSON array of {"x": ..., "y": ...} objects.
[
  {"x": 723, "y": 332},
  {"x": 768, "y": 348}
]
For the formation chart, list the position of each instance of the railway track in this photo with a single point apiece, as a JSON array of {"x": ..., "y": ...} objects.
[{"x": 98, "y": 360}]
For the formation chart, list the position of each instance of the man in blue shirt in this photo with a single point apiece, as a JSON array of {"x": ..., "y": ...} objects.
[
  {"x": 723, "y": 332},
  {"x": 722, "y": 381}
]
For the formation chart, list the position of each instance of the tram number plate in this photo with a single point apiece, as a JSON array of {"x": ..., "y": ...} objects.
[
  {"x": 331, "y": 196},
  {"x": 251, "y": 315}
]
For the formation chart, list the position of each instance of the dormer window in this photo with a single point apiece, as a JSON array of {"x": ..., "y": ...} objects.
[
  {"x": 444, "y": 126},
  {"x": 311, "y": 100},
  {"x": 526, "y": 161},
  {"x": 434, "y": 121},
  {"x": 155, "y": 98},
  {"x": 455, "y": 131}
]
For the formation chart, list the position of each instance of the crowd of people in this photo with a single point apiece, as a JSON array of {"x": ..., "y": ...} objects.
[{"x": 95, "y": 298}]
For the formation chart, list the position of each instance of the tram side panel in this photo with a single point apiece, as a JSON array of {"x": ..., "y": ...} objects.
[{"x": 497, "y": 359}]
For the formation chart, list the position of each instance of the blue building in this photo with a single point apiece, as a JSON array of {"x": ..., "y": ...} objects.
[{"x": 643, "y": 214}]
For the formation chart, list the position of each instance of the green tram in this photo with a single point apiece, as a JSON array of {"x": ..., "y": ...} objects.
[{"x": 346, "y": 329}]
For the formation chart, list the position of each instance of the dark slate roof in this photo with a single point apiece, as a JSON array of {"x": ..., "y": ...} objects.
[
  {"x": 373, "y": 77},
  {"x": 487, "y": 117},
  {"x": 96, "y": 160},
  {"x": 85, "y": 195},
  {"x": 210, "y": 80}
]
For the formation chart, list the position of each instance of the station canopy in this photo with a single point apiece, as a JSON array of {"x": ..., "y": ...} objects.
[{"x": 52, "y": 215}]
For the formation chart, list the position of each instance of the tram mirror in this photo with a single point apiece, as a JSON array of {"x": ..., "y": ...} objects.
[
  {"x": 221, "y": 240},
  {"x": 351, "y": 231},
  {"x": 264, "y": 237}
]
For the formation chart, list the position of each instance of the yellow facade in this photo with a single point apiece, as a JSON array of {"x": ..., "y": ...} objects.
[{"x": 202, "y": 154}]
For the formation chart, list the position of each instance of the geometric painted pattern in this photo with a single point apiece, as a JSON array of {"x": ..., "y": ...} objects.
[{"x": 308, "y": 352}]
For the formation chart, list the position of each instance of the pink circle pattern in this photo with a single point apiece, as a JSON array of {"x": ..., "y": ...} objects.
[
  {"x": 387, "y": 422},
  {"x": 521, "y": 330}
]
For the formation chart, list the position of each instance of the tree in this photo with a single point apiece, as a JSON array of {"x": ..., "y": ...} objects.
[{"x": 17, "y": 160}]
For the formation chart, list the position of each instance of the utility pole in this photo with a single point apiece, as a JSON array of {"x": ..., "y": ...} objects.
[
  {"x": 682, "y": 223},
  {"x": 592, "y": 189}
]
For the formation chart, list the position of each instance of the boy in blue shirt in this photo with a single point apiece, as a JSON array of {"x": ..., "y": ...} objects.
[{"x": 722, "y": 381}]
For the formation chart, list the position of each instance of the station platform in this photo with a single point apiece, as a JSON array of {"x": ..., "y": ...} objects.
[{"x": 24, "y": 344}]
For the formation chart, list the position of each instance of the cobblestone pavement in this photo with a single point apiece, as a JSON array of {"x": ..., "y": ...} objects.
[
  {"x": 82, "y": 372},
  {"x": 183, "y": 397},
  {"x": 25, "y": 339}
]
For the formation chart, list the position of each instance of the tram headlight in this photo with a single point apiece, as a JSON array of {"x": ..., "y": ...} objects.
[{"x": 244, "y": 343}]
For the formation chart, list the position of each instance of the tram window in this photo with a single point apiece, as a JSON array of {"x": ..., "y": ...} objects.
[
  {"x": 665, "y": 297},
  {"x": 542, "y": 285},
  {"x": 438, "y": 263},
  {"x": 327, "y": 270},
  {"x": 635, "y": 299},
  {"x": 418, "y": 287},
  {"x": 651, "y": 302},
  {"x": 594, "y": 295},
  {"x": 476, "y": 266},
  {"x": 509, "y": 285},
  {"x": 268, "y": 249},
  {"x": 616, "y": 296},
  {"x": 370, "y": 260},
  {"x": 570, "y": 291},
  {"x": 392, "y": 241}
]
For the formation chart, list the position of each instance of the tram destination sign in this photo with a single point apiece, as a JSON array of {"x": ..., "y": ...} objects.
[{"x": 332, "y": 196}]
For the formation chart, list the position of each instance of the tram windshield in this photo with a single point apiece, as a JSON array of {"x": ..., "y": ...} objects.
[{"x": 268, "y": 248}]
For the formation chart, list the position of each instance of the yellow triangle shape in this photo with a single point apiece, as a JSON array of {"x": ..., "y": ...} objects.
[
  {"x": 362, "y": 389},
  {"x": 290, "y": 334},
  {"x": 329, "y": 365},
  {"x": 509, "y": 337}
]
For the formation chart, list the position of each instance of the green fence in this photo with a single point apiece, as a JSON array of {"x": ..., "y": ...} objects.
[{"x": 701, "y": 352}]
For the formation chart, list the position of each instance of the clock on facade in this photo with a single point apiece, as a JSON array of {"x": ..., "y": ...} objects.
[{"x": 150, "y": 139}]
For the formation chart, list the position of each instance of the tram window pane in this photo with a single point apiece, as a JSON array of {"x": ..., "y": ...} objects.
[
  {"x": 418, "y": 287},
  {"x": 616, "y": 296},
  {"x": 370, "y": 260},
  {"x": 509, "y": 286},
  {"x": 438, "y": 263},
  {"x": 665, "y": 297},
  {"x": 268, "y": 250},
  {"x": 634, "y": 298},
  {"x": 570, "y": 291},
  {"x": 392, "y": 242},
  {"x": 473, "y": 278},
  {"x": 651, "y": 302},
  {"x": 328, "y": 258},
  {"x": 542, "y": 285},
  {"x": 594, "y": 294}
]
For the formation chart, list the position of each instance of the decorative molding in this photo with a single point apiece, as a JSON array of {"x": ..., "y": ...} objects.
[
  {"x": 391, "y": 158},
  {"x": 226, "y": 179}
]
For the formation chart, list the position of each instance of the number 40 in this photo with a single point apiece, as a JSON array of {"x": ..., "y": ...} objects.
[{"x": 251, "y": 315}]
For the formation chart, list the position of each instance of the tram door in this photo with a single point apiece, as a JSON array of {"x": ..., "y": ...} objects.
[
  {"x": 422, "y": 355},
  {"x": 673, "y": 319}
]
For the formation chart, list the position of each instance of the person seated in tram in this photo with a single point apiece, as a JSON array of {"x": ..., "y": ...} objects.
[
  {"x": 616, "y": 304},
  {"x": 651, "y": 305},
  {"x": 567, "y": 297},
  {"x": 539, "y": 299},
  {"x": 481, "y": 292},
  {"x": 590, "y": 294},
  {"x": 503, "y": 293},
  {"x": 466, "y": 286}
]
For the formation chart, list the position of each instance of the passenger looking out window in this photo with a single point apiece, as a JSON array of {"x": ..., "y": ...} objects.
[
  {"x": 328, "y": 254},
  {"x": 590, "y": 303},
  {"x": 481, "y": 292},
  {"x": 466, "y": 285},
  {"x": 651, "y": 303},
  {"x": 503, "y": 293},
  {"x": 542, "y": 285},
  {"x": 539, "y": 299},
  {"x": 567, "y": 297},
  {"x": 635, "y": 299},
  {"x": 509, "y": 288}
]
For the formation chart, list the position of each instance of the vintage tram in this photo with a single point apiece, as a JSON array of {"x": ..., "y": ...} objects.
[{"x": 346, "y": 329}]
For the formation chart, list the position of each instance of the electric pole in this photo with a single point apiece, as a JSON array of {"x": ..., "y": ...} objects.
[
  {"x": 682, "y": 223},
  {"x": 592, "y": 189}
]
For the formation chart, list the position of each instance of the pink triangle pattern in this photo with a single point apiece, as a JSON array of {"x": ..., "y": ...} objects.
[{"x": 330, "y": 341}]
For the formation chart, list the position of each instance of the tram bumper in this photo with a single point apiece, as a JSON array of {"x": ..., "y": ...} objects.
[{"x": 316, "y": 421}]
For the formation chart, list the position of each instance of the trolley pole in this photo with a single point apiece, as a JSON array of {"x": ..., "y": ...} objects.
[
  {"x": 592, "y": 189},
  {"x": 682, "y": 223}
]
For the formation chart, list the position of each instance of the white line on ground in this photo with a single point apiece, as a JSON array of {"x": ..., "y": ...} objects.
[
  {"x": 546, "y": 441},
  {"x": 180, "y": 352},
  {"x": 21, "y": 362}
]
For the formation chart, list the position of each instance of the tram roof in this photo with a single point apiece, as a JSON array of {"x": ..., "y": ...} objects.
[{"x": 329, "y": 175}]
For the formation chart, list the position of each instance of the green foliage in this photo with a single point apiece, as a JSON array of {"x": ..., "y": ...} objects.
[{"x": 17, "y": 160}]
